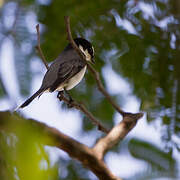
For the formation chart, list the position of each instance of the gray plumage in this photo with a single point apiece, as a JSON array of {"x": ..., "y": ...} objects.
[
  {"x": 62, "y": 69},
  {"x": 66, "y": 71}
]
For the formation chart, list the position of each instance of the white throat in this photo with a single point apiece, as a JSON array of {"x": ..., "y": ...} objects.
[{"x": 86, "y": 53}]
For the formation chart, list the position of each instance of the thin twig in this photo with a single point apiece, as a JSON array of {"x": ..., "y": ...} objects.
[
  {"x": 39, "y": 48},
  {"x": 70, "y": 39},
  {"x": 103, "y": 91},
  {"x": 82, "y": 108},
  {"x": 91, "y": 69}
]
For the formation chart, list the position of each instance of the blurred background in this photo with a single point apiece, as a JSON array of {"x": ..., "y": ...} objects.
[{"x": 137, "y": 52}]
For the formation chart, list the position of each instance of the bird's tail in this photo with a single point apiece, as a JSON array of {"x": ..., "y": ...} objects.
[{"x": 28, "y": 101}]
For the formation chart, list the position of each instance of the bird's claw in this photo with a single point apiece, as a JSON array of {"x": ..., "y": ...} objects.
[{"x": 60, "y": 95}]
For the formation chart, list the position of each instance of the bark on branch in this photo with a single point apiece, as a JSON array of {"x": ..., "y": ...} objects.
[{"x": 116, "y": 134}]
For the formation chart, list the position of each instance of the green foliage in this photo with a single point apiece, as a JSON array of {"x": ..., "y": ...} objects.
[{"x": 22, "y": 150}]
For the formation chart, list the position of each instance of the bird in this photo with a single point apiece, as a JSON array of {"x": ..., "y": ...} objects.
[{"x": 66, "y": 71}]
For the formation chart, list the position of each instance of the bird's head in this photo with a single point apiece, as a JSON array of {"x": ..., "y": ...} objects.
[{"x": 86, "y": 48}]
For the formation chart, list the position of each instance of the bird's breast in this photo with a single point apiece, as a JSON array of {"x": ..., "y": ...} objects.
[{"x": 76, "y": 79}]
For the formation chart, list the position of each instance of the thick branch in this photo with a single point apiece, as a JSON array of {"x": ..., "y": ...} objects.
[
  {"x": 91, "y": 69},
  {"x": 82, "y": 153},
  {"x": 91, "y": 158},
  {"x": 116, "y": 134},
  {"x": 55, "y": 138}
]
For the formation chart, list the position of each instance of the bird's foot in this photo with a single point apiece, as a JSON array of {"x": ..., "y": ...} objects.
[
  {"x": 60, "y": 95},
  {"x": 70, "y": 101}
]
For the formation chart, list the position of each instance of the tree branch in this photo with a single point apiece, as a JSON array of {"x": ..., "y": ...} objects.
[
  {"x": 82, "y": 108},
  {"x": 55, "y": 138},
  {"x": 94, "y": 73},
  {"x": 38, "y": 47},
  {"x": 92, "y": 158},
  {"x": 116, "y": 134}
]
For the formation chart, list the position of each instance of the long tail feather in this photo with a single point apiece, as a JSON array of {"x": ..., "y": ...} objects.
[{"x": 28, "y": 101}]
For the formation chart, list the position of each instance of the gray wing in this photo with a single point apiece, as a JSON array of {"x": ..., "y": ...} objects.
[
  {"x": 67, "y": 71},
  {"x": 62, "y": 69}
]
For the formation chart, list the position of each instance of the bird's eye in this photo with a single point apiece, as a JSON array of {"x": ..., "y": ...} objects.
[{"x": 91, "y": 51}]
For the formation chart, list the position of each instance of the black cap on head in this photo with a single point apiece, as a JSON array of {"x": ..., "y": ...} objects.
[{"x": 84, "y": 43}]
